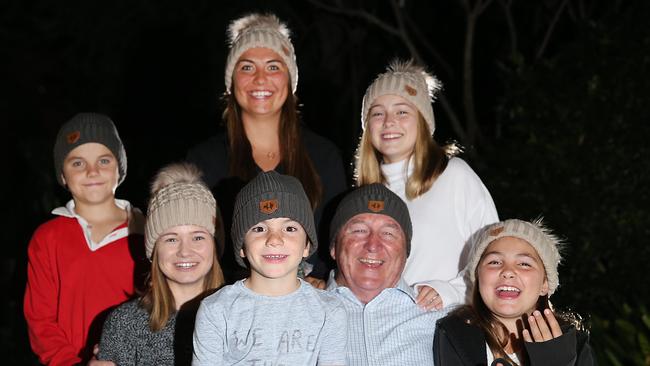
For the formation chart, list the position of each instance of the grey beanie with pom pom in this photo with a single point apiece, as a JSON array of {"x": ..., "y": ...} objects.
[
  {"x": 263, "y": 31},
  {"x": 179, "y": 197},
  {"x": 406, "y": 80}
]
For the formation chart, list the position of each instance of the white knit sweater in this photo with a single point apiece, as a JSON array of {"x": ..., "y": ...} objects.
[{"x": 444, "y": 218}]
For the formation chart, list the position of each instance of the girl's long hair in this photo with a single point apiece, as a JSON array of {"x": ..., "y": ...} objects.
[
  {"x": 429, "y": 161},
  {"x": 158, "y": 299},
  {"x": 295, "y": 159},
  {"x": 496, "y": 334}
]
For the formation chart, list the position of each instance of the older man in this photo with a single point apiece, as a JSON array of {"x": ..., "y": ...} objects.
[{"x": 371, "y": 233}]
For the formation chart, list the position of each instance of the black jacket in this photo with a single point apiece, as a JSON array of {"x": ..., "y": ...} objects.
[{"x": 457, "y": 343}]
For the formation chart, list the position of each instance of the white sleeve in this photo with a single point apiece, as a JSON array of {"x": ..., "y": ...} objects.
[
  {"x": 474, "y": 207},
  {"x": 452, "y": 292}
]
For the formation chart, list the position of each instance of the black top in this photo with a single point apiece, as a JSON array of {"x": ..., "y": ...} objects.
[
  {"x": 211, "y": 156},
  {"x": 458, "y": 343}
]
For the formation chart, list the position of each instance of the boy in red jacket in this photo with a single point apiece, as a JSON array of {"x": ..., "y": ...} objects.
[{"x": 83, "y": 262}]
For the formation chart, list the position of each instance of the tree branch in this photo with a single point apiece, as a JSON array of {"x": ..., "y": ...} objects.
[
  {"x": 453, "y": 117},
  {"x": 512, "y": 30},
  {"x": 549, "y": 31},
  {"x": 400, "y": 32},
  {"x": 481, "y": 6},
  {"x": 370, "y": 18},
  {"x": 468, "y": 79},
  {"x": 441, "y": 62},
  {"x": 472, "y": 127}
]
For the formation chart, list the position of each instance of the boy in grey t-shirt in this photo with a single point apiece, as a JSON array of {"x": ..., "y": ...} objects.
[{"x": 272, "y": 317}]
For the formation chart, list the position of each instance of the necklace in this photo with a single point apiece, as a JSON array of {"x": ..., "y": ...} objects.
[{"x": 271, "y": 155}]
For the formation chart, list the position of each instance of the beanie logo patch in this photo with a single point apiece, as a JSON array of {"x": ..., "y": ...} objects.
[
  {"x": 410, "y": 90},
  {"x": 496, "y": 231},
  {"x": 269, "y": 206},
  {"x": 73, "y": 137},
  {"x": 285, "y": 50},
  {"x": 376, "y": 206}
]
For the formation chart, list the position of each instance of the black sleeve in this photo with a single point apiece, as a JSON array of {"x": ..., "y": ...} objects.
[
  {"x": 561, "y": 351},
  {"x": 584, "y": 351},
  {"x": 443, "y": 351},
  {"x": 211, "y": 156},
  {"x": 328, "y": 163}
]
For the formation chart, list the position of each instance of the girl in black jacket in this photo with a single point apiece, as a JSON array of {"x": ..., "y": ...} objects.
[{"x": 513, "y": 270}]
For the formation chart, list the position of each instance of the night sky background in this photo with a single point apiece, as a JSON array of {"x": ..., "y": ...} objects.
[{"x": 550, "y": 99}]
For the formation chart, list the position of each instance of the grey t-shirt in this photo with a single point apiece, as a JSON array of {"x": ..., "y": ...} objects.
[{"x": 236, "y": 326}]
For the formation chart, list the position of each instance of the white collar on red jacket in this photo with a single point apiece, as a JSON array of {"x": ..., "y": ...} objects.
[{"x": 134, "y": 217}]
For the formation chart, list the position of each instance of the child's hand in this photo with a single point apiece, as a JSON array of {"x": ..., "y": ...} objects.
[
  {"x": 316, "y": 282},
  {"x": 95, "y": 362},
  {"x": 542, "y": 327},
  {"x": 428, "y": 298}
]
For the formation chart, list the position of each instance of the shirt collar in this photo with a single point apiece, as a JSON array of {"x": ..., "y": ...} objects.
[
  {"x": 135, "y": 221},
  {"x": 68, "y": 209},
  {"x": 331, "y": 281},
  {"x": 397, "y": 173},
  {"x": 402, "y": 286}
]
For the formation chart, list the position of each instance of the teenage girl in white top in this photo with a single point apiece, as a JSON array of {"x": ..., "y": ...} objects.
[{"x": 446, "y": 200}]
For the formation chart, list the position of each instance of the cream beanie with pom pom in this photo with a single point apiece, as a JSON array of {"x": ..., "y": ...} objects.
[
  {"x": 409, "y": 81},
  {"x": 179, "y": 197},
  {"x": 264, "y": 31},
  {"x": 547, "y": 245}
]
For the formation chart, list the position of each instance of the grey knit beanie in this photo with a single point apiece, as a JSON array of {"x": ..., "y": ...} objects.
[
  {"x": 264, "y": 31},
  {"x": 271, "y": 195},
  {"x": 409, "y": 81},
  {"x": 547, "y": 245},
  {"x": 85, "y": 128},
  {"x": 373, "y": 198},
  {"x": 179, "y": 197}
]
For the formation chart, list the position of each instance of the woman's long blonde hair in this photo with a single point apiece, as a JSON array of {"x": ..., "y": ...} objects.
[{"x": 429, "y": 160}]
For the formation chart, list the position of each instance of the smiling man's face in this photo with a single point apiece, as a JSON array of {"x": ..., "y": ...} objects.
[{"x": 370, "y": 252}]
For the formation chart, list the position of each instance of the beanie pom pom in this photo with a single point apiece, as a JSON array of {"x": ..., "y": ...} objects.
[
  {"x": 410, "y": 67},
  {"x": 252, "y": 21},
  {"x": 180, "y": 197},
  {"x": 176, "y": 173},
  {"x": 558, "y": 243}
]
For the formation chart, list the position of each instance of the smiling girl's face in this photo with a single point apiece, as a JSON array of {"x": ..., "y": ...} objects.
[
  {"x": 511, "y": 278},
  {"x": 393, "y": 127},
  {"x": 185, "y": 256}
]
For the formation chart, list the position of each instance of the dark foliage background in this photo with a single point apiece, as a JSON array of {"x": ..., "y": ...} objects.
[{"x": 550, "y": 99}]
